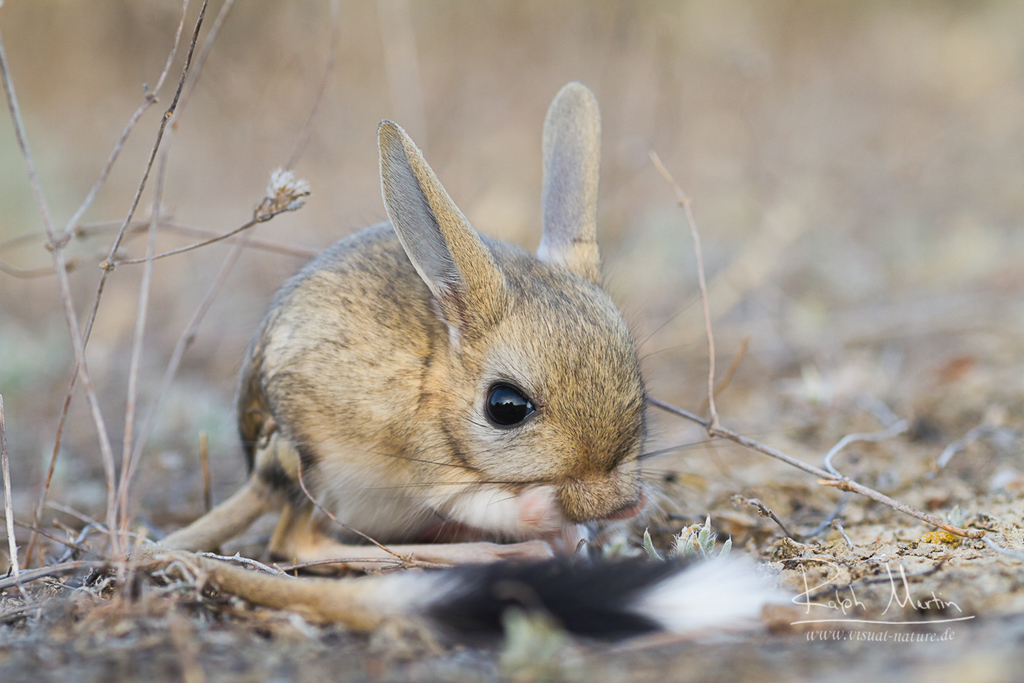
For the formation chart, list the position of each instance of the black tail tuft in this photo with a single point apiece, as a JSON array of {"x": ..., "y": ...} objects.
[{"x": 589, "y": 600}]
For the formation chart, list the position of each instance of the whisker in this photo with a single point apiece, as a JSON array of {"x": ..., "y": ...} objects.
[
  {"x": 677, "y": 447},
  {"x": 297, "y": 444},
  {"x": 428, "y": 484},
  {"x": 456, "y": 465},
  {"x": 687, "y": 306}
]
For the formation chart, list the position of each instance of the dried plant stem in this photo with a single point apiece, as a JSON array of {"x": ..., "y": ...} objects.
[
  {"x": 204, "y": 462},
  {"x": 205, "y": 50},
  {"x": 30, "y": 273},
  {"x": 51, "y": 570},
  {"x": 765, "y": 511},
  {"x": 960, "y": 444},
  {"x": 136, "y": 355},
  {"x": 12, "y": 543},
  {"x": 332, "y": 51},
  {"x": 684, "y": 202},
  {"x": 321, "y": 508},
  {"x": 401, "y": 66},
  {"x": 824, "y": 478},
  {"x": 832, "y": 478},
  {"x": 80, "y": 342},
  {"x": 79, "y": 361},
  {"x": 256, "y": 220},
  {"x": 64, "y": 287},
  {"x": 52, "y": 537},
  {"x": 892, "y": 430},
  {"x": 184, "y": 341},
  {"x": 146, "y": 104},
  {"x": 252, "y": 242},
  {"x": 730, "y": 372},
  {"x": 389, "y": 561},
  {"x": 168, "y": 115},
  {"x": 245, "y": 562}
]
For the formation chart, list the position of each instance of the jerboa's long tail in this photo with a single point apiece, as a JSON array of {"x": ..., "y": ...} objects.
[{"x": 609, "y": 600}]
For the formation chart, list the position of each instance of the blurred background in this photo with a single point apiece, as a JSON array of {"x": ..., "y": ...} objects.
[{"x": 856, "y": 170}]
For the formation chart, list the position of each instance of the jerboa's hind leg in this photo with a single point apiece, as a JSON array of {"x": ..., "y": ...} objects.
[
  {"x": 302, "y": 537},
  {"x": 224, "y": 522}
]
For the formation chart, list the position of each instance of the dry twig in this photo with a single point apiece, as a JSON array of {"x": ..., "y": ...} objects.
[
  {"x": 12, "y": 543},
  {"x": 64, "y": 288},
  {"x": 984, "y": 429},
  {"x": 830, "y": 478},
  {"x": 765, "y": 511},
  {"x": 149, "y": 100},
  {"x": 684, "y": 202},
  {"x": 407, "y": 561},
  {"x": 50, "y": 570},
  {"x": 184, "y": 341},
  {"x": 332, "y": 52},
  {"x": 56, "y": 247},
  {"x": 30, "y": 273},
  {"x": 892, "y": 430},
  {"x": 252, "y": 242},
  {"x": 730, "y": 372},
  {"x": 256, "y": 220},
  {"x": 838, "y": 526},
  {"x": 824, "y": 478},
  {"x": 204, "y": 463},
  {"x": 136, "y": 354}
]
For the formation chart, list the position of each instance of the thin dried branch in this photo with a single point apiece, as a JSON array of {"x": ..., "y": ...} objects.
[
  {"x": 684, "y": 202},
  {"x": 80, "y": 516},
  {"x": 388, "y": 561},
  {"x": 56, "y": 539},
  {"x": 139, "y": 228},
  {"x": 150, "y": 100},
  {"x": 204, "y": 463},
  {"x": 79, "y": 539},
  {"x": 302, "y": 483},
  {"x": 64, "y": 288},
  {"x": 32, "y": 273},
  {"x": 51, "y": 570},
  {"x": 27, "y": 238},
  {"x": 168, "y": 115},
  {"x": 1001, "y": 550},
  {"x": 892, "y": 430},
  {"x": 832, "y": 478},
  {"x": 401, "y": 66},
  {"x": 256, "y": 220},
  {"x": 332, "y": 51},
  {"x": 51, "y": 468},
  {"x": 245, "y": 562},
  {"x": 765, "y": 511},
  {"x": 81, "y": 342},
  {"x": 12, "y": 543},
  {"x": 827, "y": 522},
  {"x": 204, "y": 52},
  {"x": 847, "y": 484},
  {"x": 730, "y": 372},
  {"x": 285, "y": 193},
  {"x": 824, "y": 478},
  {"x": 966, "y": 440},
  {"x": 136, "y": 354},
  {"x": 184, "y": 341},
  {"x": 838, "y": 526}
]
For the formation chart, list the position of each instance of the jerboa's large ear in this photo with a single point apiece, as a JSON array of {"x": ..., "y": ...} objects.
[
  {"x": 572, "y": 155},
  {"x": 443, "y": 247}
]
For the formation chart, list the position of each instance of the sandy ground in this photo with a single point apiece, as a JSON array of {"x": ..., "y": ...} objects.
[{"x": 855, "y": 169}]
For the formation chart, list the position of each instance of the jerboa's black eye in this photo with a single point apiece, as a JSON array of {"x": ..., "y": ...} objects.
[{"x": 506, "y": 405}]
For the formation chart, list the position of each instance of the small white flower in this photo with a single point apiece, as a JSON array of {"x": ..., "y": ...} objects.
[{"x": 285, "y": 192}]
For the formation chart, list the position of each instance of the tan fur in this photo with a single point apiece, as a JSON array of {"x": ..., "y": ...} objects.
[{"x": 371, "y": 369}]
